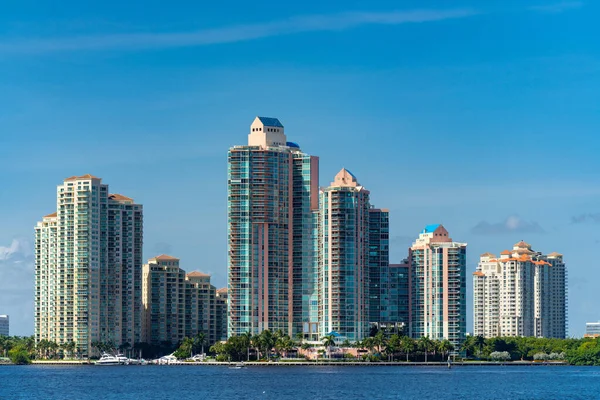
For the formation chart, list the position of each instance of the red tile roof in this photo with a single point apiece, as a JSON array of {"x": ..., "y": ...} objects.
[
  {"x": 86, "y": 176},
  {"x": 53, "y": 215},
  {"x": 164, "y": 257},
  {"x": 118, "y": 197},
  {"x": 197, "y": 274}
]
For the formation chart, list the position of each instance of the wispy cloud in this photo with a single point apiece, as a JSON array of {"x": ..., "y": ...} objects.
[
  {"x": 582, "y": 218},
  {"x": 16, "y": 285},
  {"x": 512, "y": 224},
  {"x": 229, "y": 34},
  {"x": 16, "y": 248},
  {"x": 558, "y": 7}
]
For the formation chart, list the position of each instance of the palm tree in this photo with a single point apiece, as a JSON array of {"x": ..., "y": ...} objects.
[
  {"x": 425, "y": 345},
  {"x": 70, "y": 347},
  {"x": 328, "y": 342},
  {"x": 479, "y": 342},
  {"x": 200, "y": 340},
  {"x": 247, "y": 338},
  {"x": 267, "y": 341},
  {"x": 369, "y": 344},
  {"x": 393, "y": 346},
  {"x": 300, "y": 337},
  {"x": 284, "y": 345},
  {"x": 379, "y": 340},
  {"x": 255, "y": 341},
  {"x": 407, "y": 345},
  {"x": 445, "y": 347},
  {"x": 468, "y": 345}
]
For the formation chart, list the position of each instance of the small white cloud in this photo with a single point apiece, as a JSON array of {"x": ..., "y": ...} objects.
[
  {"x": 18, "y": 247},
  {"x": 512, "y": 224}
]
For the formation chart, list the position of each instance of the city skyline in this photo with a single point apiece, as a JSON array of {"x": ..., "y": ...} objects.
[{"x": 443, "y": 128}]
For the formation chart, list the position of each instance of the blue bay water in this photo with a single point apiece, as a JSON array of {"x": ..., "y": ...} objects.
[{"x": 256, "y": 382}]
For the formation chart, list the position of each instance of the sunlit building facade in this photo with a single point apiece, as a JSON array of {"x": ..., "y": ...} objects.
[
  {"x": 272, "y": 199},
  {"x": 88, "y": 267},
  {"x": 520, "y": 293},
  {"x": 344, "y": 258},
  {"x": 178, "y": 304},
  {"x": 438, "y": 286}
]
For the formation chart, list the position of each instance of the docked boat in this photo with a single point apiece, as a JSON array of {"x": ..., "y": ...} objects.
[
  {"x": 108, "y": 359},
  {"x": 238, "y": 366}
]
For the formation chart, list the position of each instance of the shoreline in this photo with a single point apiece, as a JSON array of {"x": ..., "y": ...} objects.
[{"x": 327, "y": 364}]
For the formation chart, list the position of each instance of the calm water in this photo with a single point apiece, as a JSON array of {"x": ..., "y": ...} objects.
[{"x": 346, "y": 383}]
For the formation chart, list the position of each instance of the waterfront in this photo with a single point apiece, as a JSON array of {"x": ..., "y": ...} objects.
[{"x": 179, "y": 382}]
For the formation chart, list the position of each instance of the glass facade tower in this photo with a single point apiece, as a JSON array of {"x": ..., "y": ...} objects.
[{"x": 272, "y": 191}]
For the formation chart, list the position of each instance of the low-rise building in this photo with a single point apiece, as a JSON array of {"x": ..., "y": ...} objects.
[{"x": 592, "y": 329}]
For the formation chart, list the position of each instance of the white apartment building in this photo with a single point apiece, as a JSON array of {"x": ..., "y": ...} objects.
[
  {"x": 89, "y": 266},
  {"x": 520, "y": 293}
]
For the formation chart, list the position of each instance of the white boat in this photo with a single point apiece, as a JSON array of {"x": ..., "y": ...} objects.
[
  {"x": 167, "y": 360},
  {"x": 122, "y": 359},
  {"x": 238, "y": 366},
  {"x": 108, "y": 359}
]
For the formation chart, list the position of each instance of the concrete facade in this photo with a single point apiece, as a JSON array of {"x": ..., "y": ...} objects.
[
  {"x": 88, "y": 267},
  {"x": 438, "y": 286},
  {"x": 520, "y": 293}
]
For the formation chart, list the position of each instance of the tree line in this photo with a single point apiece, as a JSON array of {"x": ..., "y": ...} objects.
[{"x": 381, "y": 346}]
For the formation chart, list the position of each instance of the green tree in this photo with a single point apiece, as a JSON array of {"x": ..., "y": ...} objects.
[
  {"x": 185, "y": 348},
  {"x": 478, "y": 343},
  {"x": 379, "y": 340},
  {"x": 425, "y": 345},
  {"x": 284, "y": 345},
  {"x": 255, "y": 342},
  {"x": 407, "y": 345},
  {"x": 200, "y": 341},
  {"x": 19, "y": 355},
  {"x": 445, "y": 347},
  {"x": 267, "y": 341},
  {"x": 328, "y": 342},
  {"x": 393, "y": 345},
  {"x": 369, "y": 344},
  {"x": 247, "y": 338}
]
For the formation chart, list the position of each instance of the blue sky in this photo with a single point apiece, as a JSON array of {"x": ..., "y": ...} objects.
[{"x": 479, "y": 115}]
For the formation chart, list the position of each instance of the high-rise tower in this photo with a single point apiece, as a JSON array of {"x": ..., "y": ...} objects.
[
  {"x": 344, "y": 258},
  {"x": 520, "y": 293},
  {"x": 88, "y": 267},
  {"x": 438, "y": 286},
  {"x": 272, "y": 199},
  {"x": 379, "y": 269}
]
